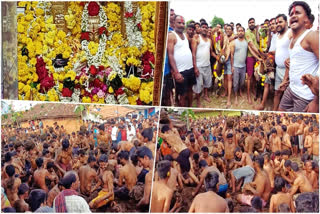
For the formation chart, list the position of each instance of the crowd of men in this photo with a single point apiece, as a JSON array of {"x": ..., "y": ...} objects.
[
  {"x": 278, "y": 57},
  {"x": 250, "y": 163},
  {"x": 101, "y": 167}
]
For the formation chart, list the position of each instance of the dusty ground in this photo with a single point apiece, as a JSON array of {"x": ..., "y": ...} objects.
[{"x": 221, "y": 102}]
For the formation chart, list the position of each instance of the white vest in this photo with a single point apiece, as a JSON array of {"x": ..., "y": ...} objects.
[
  {"x": 182, "y": 54},
  {"x": 302, "y": 62},
  {"x": 203, "y": 53}
]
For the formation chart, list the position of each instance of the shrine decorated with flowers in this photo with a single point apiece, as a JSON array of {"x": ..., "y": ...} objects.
[{"x": 90, "y": 52}]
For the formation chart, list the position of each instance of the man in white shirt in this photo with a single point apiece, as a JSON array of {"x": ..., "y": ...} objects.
[
  {"x": 114, "y": 133},
  {"x": 131, "y": 133}
]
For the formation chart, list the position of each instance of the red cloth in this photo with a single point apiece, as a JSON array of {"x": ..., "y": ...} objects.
[
  {"x": 60, "y": 202},
  {"x": 123, "y": 135}
]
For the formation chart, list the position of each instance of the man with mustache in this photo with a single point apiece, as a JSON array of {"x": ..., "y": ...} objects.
[
  {"x": 281, "y": 55},
  {"x": 304, "y": 59},
  {"x": 180, "y": 59}
]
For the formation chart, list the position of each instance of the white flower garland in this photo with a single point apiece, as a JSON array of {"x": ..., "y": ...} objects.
[
  {"x": 132, "y": 30},
  {"x": 96, "y": 59}
]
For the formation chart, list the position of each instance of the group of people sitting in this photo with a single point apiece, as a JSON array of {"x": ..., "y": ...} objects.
[
  {"x": 278, "y": 57},
  {"x": 245, "y": 164},
  {"x": 46, "y": 169}
]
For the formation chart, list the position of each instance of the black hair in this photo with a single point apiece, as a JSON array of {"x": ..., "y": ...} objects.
[
  {"x": 191, "y": 26},
  {"x": 311, "y": 18},
  {"x": 294, "y": 166},
  {"x": 260, "y": 160},
  {"x": 266, "y": 20},
  {"x": 283, "y": 16},
  {"x": 103, "y": 158},
  {"x": 10, "y": 170},
  {"x": 286, "y": 152},
  {"x": 91, "y": 158},
  {"x": 272, "y": 19},
  {"x": 284, "y": 128},
  {"x": 7, "y": 157},
  {"x": 36, "y": 198},
  {"x": 202, "y": 20},
  {"x": 204, "y": 149},
  {"x": 246, "y": 129},
  {"x": 203, "y": 163},
  {"x": 251, "y": 19},
  {"x": 197, "y": 23},
  {"x": 273, "y": 130},
  {"x": 39, "y": 162},
  {"x": 238, "y": 149},
  {"x": 144, "y": 151},
  {"x": 163, "y": 168},
  {"x": 165, "y": 128},
  {"x": 50, "y": 165},
  {"x": 147, "y": 133},
  {"x": 23, "y": 188},
  {"x": 211, "y": 181},
  {"x": 123, "y": 155},
  {"x": 287, "y": 163},
  {"x": 238, "y": 24},
  {"x": 277, "y": 153},
  {"x": 229, "y": 135},
  {"x": 303, "y": 4},
  {"x": 192, "y": 139},
  {"x": 45, "y": 151},
  {"x": 228, "y": 25},
  {"x": 68, "y": 180},
  {"x": 256, "y": 202},
  {"x": 279, "y": 183},
  {"x": 204, "y": 23},
  {"x": 65, "y": 143}
]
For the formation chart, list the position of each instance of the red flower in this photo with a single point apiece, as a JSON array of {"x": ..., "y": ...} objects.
[
  {"x": 102, "y": 30},
  {"x": 46, "y": 84},
  {"x": 128, "y": 15},
  {"x": 97, "y": 83},
  {"x": 82, "y": 4},
  {"x": 66, "y": 92},
  {"x": 147, "y": 70},
  {"x": 93, "y": 9},
  {"x": 139, "y": 102},
  {"x": 101, "y": 68},
  {"x": 93, "y": 70},
  {"x": 139, "y": 26},
  {"x": 85, "y": 36},
  {"x": 119, "y": 91}
]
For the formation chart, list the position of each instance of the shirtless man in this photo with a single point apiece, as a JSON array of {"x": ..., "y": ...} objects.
[
  {"x": 311, "y": 174},
  {"x": 205, "y": 156},
  {"x": 146, "y": 159},
  {"x": 246, "y": 171},
  {"x": 308, "y": 140},
  {"x": 298, "y": 97},
  {"x": 127, "y": 174},
  {"x": 259, "y": 187},
  {"x": 301, "y": 182},
  {"x": 65, "y": 156},
  {"x": 268, "y": 168},
  {"x": 87, "y": 175},
  {"x": 222, "y": 184},
  {"x": 282, "y": 196},
  {"x": 161, "y": 192},
  {"x": 194, "y": 147},
  {"x": 248, "y": 142},
  {"x": 315, "y": 143},
  {"x": 209, "y": 202},
  {"x": 230, "y": 147},
  {"x": 275, "y": 141},
  {"x": 286, "y": 143},
  {"x": 292, "y": 134},
  {"x": 41, "y": 174},
  {"x": 11, "y": 184},
  {"x": 106, "y": 195}
]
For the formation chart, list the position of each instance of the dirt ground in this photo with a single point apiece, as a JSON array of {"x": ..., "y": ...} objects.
[{"x": 220, "y": 102}]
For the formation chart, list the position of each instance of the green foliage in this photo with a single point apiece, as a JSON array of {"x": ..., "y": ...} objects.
[
  {"x": 187, "y": 113},
  {"x": 217, "y": 20}
]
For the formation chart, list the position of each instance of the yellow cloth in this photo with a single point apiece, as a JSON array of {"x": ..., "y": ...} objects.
[
  {"x": 102, "y": 194},
  {"x": 251, "y": 37}
]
